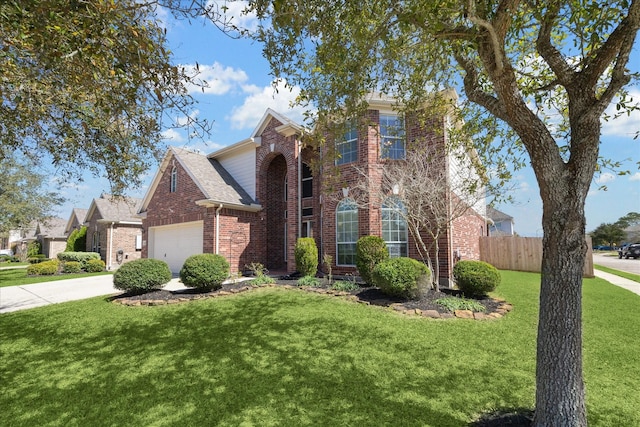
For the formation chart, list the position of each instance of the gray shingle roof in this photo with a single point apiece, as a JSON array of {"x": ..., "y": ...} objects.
[
  {"x": 53, "y": 228},
  {"x": 118, "y": 209},
  {"x": 497, "y": 215},
  {"x": 213, "y": 179}
]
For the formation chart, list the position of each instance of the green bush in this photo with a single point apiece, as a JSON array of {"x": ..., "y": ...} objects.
[
  {"x": 71, "y": 267},
  {"x": 262, "y": 280},
  {"x": 141, "y": 275},
  {"x": 308, "y": 281},
  {"x": 81, "y": 257},
  {"x": 454, "y": 303},
  {"x": 370, "y": 250},
  {"x": 402, "y": 277},
  {"x": 37, "y": 259},
  {"x": 204, "y": 271},
  {"x": 345, "y": 285},
  {"x": 45, "y": 268},
  {"x": 33, "y": 249},
  {"x": 476, "y": 278},
  {"x": 77, "y": 241},
  {"x": 94, "y": 266},
  {"x": 306, "y": 253}
]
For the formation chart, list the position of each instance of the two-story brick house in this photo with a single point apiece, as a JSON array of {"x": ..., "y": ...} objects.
[{"x": 250, "y": 201}]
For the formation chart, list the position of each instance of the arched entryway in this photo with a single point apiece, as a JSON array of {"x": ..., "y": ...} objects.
[{"x": 276, "y": 213}]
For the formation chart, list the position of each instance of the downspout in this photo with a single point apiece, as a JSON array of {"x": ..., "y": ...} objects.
[
  {"x": 218, "y": 228},
  {"x": 110, "y": 244}
]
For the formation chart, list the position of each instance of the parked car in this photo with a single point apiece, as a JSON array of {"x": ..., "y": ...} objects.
[
  {"x": 7, "y": 252},
  {"x": 603, "y": 248},
  {"x": 630, "y": 250}
]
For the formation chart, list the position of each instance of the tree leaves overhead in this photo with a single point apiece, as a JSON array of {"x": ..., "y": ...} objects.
[{"x": 86, "y": 84}]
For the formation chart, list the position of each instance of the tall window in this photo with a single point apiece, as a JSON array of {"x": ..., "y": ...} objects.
[
  {"x": 347, "y": 147},
  {"x": 307, "y": 181},
  {"x": 394, "y": 227},
  {"x": 346, "y": 232},
  {"x": 174, "y": 179},
  {"x": 392, "y": 137},
  {"x": 95, "y": 242}
]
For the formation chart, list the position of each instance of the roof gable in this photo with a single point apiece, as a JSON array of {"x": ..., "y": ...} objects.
[
  {"x": 110, "y": 208},
  {"x": 212, "y": 179}
]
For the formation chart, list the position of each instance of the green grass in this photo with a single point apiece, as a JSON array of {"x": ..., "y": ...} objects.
[
  {"x": 276, "y": 357},
  {"x": 18, "y": 276},
  {"x": 626, "y": 275}
]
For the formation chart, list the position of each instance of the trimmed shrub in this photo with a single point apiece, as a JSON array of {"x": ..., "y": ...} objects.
[
  {"x": 370, "y": 250},
  {"x": 476, "y": 278},
  {"x": 141, "y": 275},
  {"x": 81, "y": 257},
  {"x": 94, "y": 266},
  {"x": 37, "y": 259},
  {"x": 45, "y": 268},
  {"x": 306, "y": 253},
  {"x": 402, "y": 277},
  {"x": 71, "y": 267},
  {"x": 204, "y": 271}
]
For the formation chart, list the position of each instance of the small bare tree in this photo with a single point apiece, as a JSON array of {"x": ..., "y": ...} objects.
[{"x": 433, "y": 187}]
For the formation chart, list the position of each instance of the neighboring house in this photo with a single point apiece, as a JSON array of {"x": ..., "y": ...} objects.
[
  {"x": 76, "y": 220},
  {"x": 114, "y": 230},
  {"x": 251, "y": 201},
  {"x": 52, "y": 237},
  {"x": 500, "y": 223},
  {"x": 17, "y": 240}
]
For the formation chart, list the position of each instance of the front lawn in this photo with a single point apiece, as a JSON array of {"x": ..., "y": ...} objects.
[
  {"x": 277, "y": 357},
  {"x": 18, "y": 277}
]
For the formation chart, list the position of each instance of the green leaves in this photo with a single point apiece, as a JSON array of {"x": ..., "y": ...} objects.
[{"x": 76, "y": 77}]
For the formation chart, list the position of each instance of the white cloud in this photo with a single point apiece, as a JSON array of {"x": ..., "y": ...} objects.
[
  {"x": 172, "y": 136},
  {"x": 625, "y": 125},
  {"x": 604, "y": 178},
  {"x": 232, "y": 14},
  {"x": 635, "y": 177},
  {"x": 215, "y": 79},
  {"x": 279, "y": 99}
]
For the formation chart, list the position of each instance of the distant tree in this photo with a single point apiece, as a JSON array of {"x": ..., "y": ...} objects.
[
  {"x": 609, "y": 234},
  {"x": 629, "y": 220},
  {"x": 88, "y": 84},
  {"x": 23, "y": 197}
]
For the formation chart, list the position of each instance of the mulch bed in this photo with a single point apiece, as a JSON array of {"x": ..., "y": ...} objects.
[{"x": 425, "y": 307}]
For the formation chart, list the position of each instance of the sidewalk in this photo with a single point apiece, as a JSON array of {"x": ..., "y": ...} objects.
[
  {"x": 14, "y": 298},
  {"x": 619, "y": 281}
]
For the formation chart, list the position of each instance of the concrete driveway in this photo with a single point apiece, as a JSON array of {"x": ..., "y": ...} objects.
[
  {"x": 629, "y": 265},
  {"x": 15, "y": 298}
]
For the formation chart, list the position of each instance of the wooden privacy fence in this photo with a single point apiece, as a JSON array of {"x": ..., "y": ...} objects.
[{"x": 521, "y": 253}]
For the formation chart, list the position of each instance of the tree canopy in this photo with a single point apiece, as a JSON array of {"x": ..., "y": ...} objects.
[{"x": 87, "y": 84}]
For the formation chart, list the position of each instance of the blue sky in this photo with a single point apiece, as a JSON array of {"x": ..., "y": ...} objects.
[{"x": 240, "y": 91}]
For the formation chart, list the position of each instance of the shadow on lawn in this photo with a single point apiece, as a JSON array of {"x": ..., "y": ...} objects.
[{"x": 250, "y": 360}]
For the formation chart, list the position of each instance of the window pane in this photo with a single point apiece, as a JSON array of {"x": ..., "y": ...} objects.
[
  {"x": 394, "y": 227},
  {"x": 346, "y": 232},
  {"x": 392, "y": 137},
  {"x": 347, "y": 147}
]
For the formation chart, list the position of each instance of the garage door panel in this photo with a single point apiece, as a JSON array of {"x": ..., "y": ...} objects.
[{"x": 175, "y": 243}]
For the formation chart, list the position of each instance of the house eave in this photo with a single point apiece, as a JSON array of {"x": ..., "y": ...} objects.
[{"x": 211, "y": 203}]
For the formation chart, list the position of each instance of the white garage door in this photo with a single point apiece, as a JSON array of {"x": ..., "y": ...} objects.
[{"x": 175, "y": 243}]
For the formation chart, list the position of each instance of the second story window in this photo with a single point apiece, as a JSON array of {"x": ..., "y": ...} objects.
[
  {"x": 392, "y": 137},
  {"x": 174, "y": 180},
  {"x": 347, "y": 147},
  {"x": 307, "y": 181}
]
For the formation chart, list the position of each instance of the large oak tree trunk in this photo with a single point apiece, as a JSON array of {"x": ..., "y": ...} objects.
[{"x": 560, "y": 393}]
